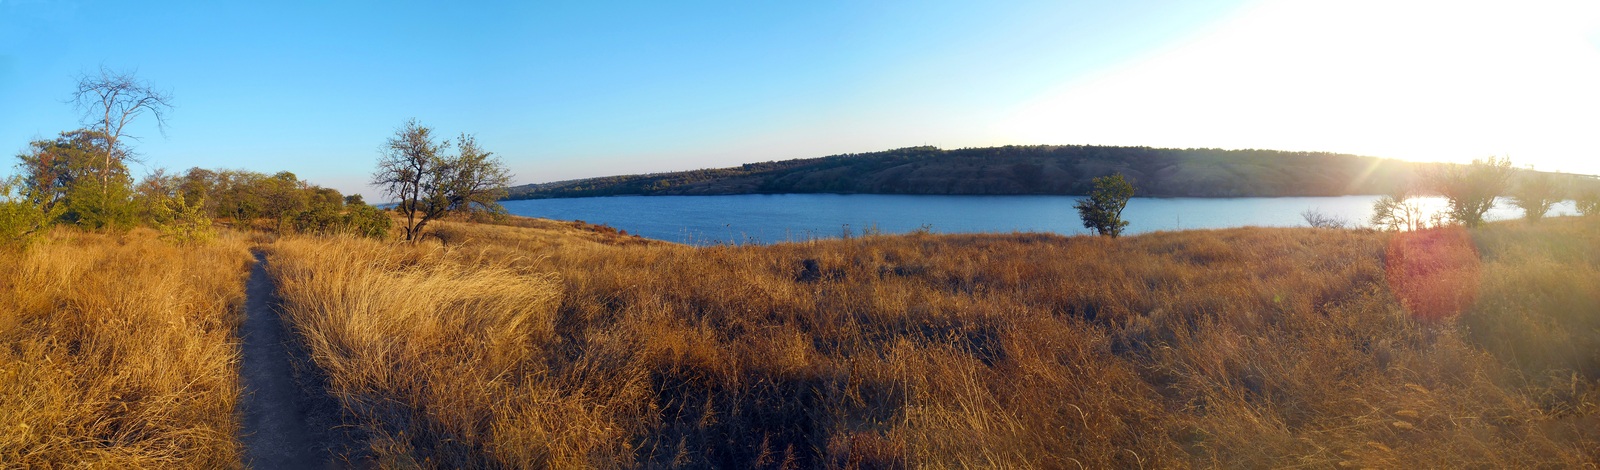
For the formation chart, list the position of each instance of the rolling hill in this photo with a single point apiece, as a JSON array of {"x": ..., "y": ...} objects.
[{"x": 1057, "y": 170}]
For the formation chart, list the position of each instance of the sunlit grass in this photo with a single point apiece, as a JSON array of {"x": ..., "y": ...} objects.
[
  {"x": 548, "y": 346},
  {"x": 119, "y": 351}
]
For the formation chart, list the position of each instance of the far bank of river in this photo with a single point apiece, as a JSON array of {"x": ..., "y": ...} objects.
[{"x": 775, "y": 218}]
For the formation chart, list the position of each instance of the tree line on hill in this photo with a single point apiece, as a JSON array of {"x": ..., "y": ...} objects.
[{"x": 1052, "y": 170}]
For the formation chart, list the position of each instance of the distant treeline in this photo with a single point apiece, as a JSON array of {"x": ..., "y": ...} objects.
[{"x": 1058, "y": 170}]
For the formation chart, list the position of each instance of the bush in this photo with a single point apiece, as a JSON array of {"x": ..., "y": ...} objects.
[
  {"x": 94, "y": 205},
  {"x": 20, "y": 219},
  {"x": 1588, "y": 203},
  {"x": 367, "y": 221},
  {"x": 181, "y": 222},
  {"x": 1535, "y": 193},
  {"x": 319, "y": 218}
]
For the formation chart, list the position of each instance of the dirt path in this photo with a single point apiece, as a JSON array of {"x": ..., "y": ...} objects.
[{"x": 283, "y": 423}]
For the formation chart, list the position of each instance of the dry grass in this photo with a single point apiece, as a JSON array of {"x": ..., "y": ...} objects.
[
  {"x": 118, "y": 351},
  {"x": 546, "y": 347}
]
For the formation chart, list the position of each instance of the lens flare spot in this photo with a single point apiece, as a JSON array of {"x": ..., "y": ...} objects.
[{"x": 1433, "y": 272}]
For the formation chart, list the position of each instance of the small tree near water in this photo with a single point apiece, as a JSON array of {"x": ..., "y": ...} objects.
[
  {"x": 427, "y": 183},
  {"x": 1535, "y": 192},
  {"x": 1471, "y": 189},
  {"x": 1102, "y": 210}
]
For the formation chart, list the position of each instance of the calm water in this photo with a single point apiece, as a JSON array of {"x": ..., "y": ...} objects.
[{"x": 774, "y": 218}]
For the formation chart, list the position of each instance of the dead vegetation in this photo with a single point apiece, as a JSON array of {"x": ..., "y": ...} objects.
[
  {"x": 541, "y": 346},
  {"x": 119, "y": 351}
]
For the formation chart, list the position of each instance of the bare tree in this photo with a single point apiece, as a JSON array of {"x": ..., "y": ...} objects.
[
  {"x": 112, "y": 100},
  {"x": 1316, "y": 219},
  {"x": 428, "y": 183},
  {"x": 1396, "y": 210}
]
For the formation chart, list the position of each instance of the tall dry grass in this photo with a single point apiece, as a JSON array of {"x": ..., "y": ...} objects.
[
  {"x": 1250, "y": 347},
  {"x": 118, "y": 351}
]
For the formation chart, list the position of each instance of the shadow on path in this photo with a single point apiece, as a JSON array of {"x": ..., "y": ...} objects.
[{"x": 285, "y": 422}]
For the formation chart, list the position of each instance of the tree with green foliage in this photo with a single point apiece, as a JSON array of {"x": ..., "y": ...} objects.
[
  {"x": 66, "y": 172},
  {"x": 1535, "y": 193},
  {"x": 1102, "y": 210},
  {"x": 427, "y": 183},
  {"x": 102, "y": 205},
  {"x": 1471, "y": 189},
  {"x": 22, "y": 217}
]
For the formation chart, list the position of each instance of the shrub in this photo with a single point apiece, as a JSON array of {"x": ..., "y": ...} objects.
[
  {"x": 319, "y": 218},
  {"x": 1588, "y": 203},
  {"x": 367, "y": 221},
  {"x": 20, "y": 218},
  {"x": 1535, "y": 193},
  {"x": 181, "y": 222},
  {"x": 1317, "y": 219}
]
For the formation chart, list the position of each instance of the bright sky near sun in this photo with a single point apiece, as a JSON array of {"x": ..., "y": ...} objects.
[{"x": 565, "y": 90}]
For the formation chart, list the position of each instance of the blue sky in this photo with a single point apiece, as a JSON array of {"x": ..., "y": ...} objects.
[{"x": 566, "y": 90}]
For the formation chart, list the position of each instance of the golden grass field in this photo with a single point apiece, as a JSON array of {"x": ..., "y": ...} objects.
[
  {"x": 547, "y": 346},
  {"x": 119, "y": 351}
]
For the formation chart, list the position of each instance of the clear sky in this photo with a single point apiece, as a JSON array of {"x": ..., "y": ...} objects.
[{"x": 565, "y": 90}]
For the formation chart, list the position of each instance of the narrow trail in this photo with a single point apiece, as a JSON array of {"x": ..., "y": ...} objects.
[{"x": 282, "y": 423}]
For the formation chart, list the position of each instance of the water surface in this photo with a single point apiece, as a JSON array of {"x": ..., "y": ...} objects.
[{"x": 774, "y": 218}]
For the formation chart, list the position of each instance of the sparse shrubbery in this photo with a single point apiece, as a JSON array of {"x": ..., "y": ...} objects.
[{"x": 1316, "y": 219}]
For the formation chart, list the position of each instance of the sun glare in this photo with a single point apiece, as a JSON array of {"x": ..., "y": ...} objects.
[{"x": 1440, "y": 81}]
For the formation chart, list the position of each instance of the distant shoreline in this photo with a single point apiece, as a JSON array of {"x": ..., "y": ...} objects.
[{"x": 1060, "y": 170}]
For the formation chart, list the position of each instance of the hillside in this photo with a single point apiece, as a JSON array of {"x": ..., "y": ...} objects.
[{"x": 1061, "y": 170}]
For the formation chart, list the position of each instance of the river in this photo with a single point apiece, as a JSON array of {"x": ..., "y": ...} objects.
[{"x": 775, "y": 218}]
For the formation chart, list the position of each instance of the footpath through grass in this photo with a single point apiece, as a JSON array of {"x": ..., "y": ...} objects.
[{"x": 555, "y": 345}]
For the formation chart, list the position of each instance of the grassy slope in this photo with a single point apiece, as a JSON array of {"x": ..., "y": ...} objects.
[
  {"x": 118, "y": 351},
  {"x": 545, "y": 346}
]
